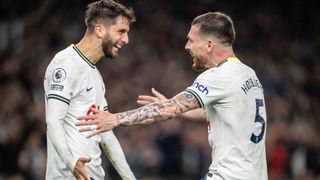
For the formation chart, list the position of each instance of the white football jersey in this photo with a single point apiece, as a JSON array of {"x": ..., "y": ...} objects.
[
  {"x": 72, "y": 79},
  {"x": 233, "y": 99}
]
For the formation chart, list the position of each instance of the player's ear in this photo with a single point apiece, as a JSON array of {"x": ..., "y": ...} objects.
[
  {"x": 99, "y": 30},
  {"x": 210, "y": 45}
]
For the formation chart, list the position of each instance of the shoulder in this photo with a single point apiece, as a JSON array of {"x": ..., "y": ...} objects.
[
  {"x": 212, "y": 74},
  {"x": 227, "y": 74},
  {"x": 63, "y": 62},
  {"x": 65, "y": 57}
]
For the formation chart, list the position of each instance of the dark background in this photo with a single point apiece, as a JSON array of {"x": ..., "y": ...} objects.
[{"x": 279, "y": 40}]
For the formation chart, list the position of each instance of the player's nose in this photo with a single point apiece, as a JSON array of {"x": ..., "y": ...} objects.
[{"x": 125, "y": 38}]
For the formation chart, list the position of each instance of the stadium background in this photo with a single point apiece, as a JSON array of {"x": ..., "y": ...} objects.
[{"x": 280, "y": 40}]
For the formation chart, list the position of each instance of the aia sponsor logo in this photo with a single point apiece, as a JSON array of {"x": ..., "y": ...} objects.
[{"x": 90, "y": 112}]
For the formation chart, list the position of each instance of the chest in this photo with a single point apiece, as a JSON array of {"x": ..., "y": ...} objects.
[{"x": 93, "y": 88}]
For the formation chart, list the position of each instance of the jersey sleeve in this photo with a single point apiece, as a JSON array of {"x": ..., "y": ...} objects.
[
  {"x": 56, "y": 112},
  {"x": 207, "y": 88},
  {"x": 105, "y": 105},
  {"x": 114, "y": 152},
  {"x": 60, "y": 81}
]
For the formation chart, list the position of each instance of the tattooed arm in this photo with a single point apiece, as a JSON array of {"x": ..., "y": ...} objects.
[
  {"x": 162, "y": 110},
  {"x": 195, "y": 115},
  {"x": 103, "y": 121}
]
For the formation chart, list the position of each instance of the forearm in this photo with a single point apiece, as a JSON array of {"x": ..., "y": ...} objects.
[
  {"x": 113, "y": 150},
  {"x": 162, "y": 110},
  {"x": 194, "y": 115},
  {"x": 104, "y": 121},
  {"x": 56, "y": 133},
  {"x": 152, "y": 112}
]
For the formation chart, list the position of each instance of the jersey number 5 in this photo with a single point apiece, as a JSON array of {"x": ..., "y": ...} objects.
[{"x": 258, "y": 119}]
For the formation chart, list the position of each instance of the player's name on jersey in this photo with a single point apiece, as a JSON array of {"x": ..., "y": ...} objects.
[{"x": 250, "y": 83}]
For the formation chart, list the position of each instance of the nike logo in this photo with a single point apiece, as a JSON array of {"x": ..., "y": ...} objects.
[{"x": 88, "y": 89}]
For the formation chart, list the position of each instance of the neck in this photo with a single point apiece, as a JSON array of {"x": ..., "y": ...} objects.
[
  {"x": 222, "y": 55},
  {"x": 91, "y": 48}
]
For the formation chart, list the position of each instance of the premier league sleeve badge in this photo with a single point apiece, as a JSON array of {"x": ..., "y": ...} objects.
[{"x": 59, "y": 75}]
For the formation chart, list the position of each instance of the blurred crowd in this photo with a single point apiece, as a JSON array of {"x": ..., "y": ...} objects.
[{"x": 280, "y": 40}]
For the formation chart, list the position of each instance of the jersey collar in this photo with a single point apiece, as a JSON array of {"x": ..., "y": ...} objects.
[
  {"x": 83, "y": 57},
  {"x": 228, "y": 59}
]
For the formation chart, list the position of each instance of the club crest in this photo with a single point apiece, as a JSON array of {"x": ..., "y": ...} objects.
[{"x": 59, "y": 75}]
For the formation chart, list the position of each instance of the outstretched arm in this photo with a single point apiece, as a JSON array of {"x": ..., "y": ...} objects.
[
  {"x": 195, "y": 115},
  {"x": 104, "y": 121},
  {"x": 162, "y": 110}
]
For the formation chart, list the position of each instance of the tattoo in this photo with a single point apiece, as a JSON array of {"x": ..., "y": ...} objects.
[{"x": 163, "y": 110}]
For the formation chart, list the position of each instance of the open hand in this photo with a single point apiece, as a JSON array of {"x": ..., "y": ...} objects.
[
  {"x": 100, "y": 121},
  {"x": 146, "y": 99}
]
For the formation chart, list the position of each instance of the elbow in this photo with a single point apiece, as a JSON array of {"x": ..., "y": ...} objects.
[{"x": 52, "y": 124}]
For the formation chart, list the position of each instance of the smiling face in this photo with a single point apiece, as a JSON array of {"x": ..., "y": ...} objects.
[
  {"x": 196, "y": 46},
  {"x": 115, "y": 37}
]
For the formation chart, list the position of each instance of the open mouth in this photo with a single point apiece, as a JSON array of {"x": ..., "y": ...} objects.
[
  {"x": 117, "y": 46},
  {"x": 192, "y": 56}
]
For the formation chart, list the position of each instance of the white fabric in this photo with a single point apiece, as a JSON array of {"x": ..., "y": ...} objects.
[
  {"x": 72, "y": 85},
  {"x": 231, "y": 94}
]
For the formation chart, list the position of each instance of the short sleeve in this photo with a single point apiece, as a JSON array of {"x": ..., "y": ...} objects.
[{"x": 208, "y": 88}]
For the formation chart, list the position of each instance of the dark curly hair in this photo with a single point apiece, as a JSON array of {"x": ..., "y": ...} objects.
[{"x": 106, "y": 11}]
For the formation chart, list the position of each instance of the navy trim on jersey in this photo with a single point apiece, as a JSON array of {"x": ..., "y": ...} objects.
[
  {"x": 60, "y": 98},
  {"x": 228, "y": 59},
  {"x": 83, "y": 56},
  {"x": 222, "y": 62},
  {"x": 201, "y": 104}
]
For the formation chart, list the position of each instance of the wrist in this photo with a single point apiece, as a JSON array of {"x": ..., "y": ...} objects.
[
  {"x": 71, "y": 163},
  {"x": 119, "y": 120}
]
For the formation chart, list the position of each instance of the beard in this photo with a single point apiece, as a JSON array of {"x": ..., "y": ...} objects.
[
  {"x": 199, "y": 63},
  {"x": 107, "y": 46}
]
